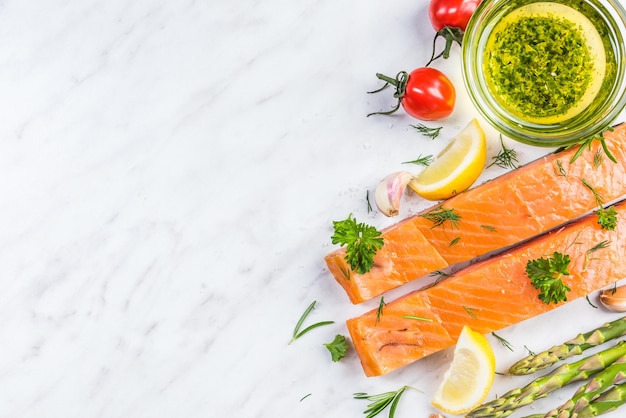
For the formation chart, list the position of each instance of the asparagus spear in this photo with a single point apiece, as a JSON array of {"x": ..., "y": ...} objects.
[
  {"x": 613, "y": 374},
  {"x": 575, "y": 346},
  {"x": 607, "y": 402},
  {"x": 540, "y": 387}
]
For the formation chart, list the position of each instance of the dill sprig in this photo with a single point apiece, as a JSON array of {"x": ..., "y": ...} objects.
[
  {"x": 598, "y": 159},
  {"x": 297, "y": 333},
  {"x": 431, "y": 133},
  {"x": 599, "y": 246},
  {"x": 424, "y": 161},
  {"x": 379, "y": 402},
  {"x": 506, "y": 158},
  {"x": 440, "y": 215},
  {"x": 502, "y": 341}
]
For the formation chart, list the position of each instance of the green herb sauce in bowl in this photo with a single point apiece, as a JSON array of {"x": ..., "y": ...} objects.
[{"x": 548, "y": 73}]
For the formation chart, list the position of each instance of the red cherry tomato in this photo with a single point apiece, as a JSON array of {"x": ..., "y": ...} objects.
[
  {"x": 451, "y": 13},
  {"x": 429, "y": 94},
  {"x": 425, "y": 93}
]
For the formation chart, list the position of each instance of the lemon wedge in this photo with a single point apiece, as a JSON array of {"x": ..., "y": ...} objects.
[
  {"x": 456, "y": 168},
  {"x": 470, "y": 376}
]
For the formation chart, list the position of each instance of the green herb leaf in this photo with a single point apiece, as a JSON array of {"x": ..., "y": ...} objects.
[
  {"x": 559, "y": 170},
  {"x": 596, "y": 194},
  {"x": 379, "y": 311},
  {"x": 607, "y": 218},
  {"x": 440, "y": 215},
  {"x": 337, "y": 347},
  {"x": 367, "y": 199},
  {"x": 425, "y": 161},
  {"x": 297, "y": 333},
  {"x": 489, "y": 228},
  {"x": 431, "y": 133},
  {"x": 470, "y": 311},
  {"x": 506, "y": 158},
  {"x": 362, "y": 241},
  {"x": 454, "y": 241},
  {"x": 417, "y": 318},
  {"x": 502, "y": 341},
  {"x": 599, "y": 246},
  {"x": 545, "y": 275},
  {"x": 379, "y": 402}
]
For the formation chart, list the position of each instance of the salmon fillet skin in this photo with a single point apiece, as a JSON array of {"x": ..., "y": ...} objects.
[
  {"x": 511, "y": 208},
  {"x": 488, "y": 295}
]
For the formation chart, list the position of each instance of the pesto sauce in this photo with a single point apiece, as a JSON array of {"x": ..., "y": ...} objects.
[{"x": 539, "y": 66}]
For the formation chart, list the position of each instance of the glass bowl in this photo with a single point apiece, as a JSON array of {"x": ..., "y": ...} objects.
[{"x": 546, "y": 73}]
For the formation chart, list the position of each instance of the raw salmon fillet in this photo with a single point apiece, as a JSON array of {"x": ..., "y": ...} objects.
[
  {"x": 488, "y": 295},
  {"x": 496, "y": 214}
]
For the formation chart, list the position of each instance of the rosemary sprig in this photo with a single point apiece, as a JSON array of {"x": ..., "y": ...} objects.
[
  {"x": 506, "y": 158},
  {"x": 598, "y": 159},
  {"x": 588, "y": 142},
  {"x": 454, "y": 241},
  {"x": 440, "y": 215},
  {"x": 417, "y": 318},
  {"x": 559, "y": 170},
  {"x": 470, "y": 311},
  {"x": 379, "y": 311},
  {"x": 425, "y": 161},
  {"x": 489, "y": 228},
  {"x": 596, "y": 194},
  {"x": 297, "y": 333},
  {"x": 431, "y": 133},
  {"x": 379, "y": 402}
]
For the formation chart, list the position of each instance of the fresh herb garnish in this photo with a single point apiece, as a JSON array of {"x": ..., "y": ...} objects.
[
  {"x": 598, "y": 159},
  {"x": 559, "y": 170},
  {"x": 470, "y": 311},
  {"x": 506, "y": 158},
  {"x": 588, "y": 301},
  {"x": 454, "y": 241},
  {"x": 431, "y": 133},
  {"x": 425, "y": 161},
  {"x": 489, "y": 228},
  {"x": 379, "y": 311},
  {"x": 337, "y": 347},
  {"x": 417, "y": 318},
  {"x": 502, "y": 341},
  {"x": 596, "y": 194},
  {"x": 362, "y": 241},
  {"x": 297, "y": 333},
  {"x": 529, "y": 351},
  {"x": 367, "y": 199},
  {"x": 588, "y": 142},
  {"x": 607, "y": 218},
  {"x": 379, "y": 402},
  {"x": 440, "y": 215},
  {"x": 305, "y": 396},
  {"x": 599, "y": 246},
  {"x": 545, "y": 275}
]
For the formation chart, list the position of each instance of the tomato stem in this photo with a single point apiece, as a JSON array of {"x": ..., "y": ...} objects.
[
  {"x": 451, "y": 35},
  {"x": 399, "y": 82}
]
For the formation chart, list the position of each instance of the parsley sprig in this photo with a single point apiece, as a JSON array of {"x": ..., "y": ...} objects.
[
  {"x": 362, "y": 241},
  {"x": 607, "y": 218},
  {"x": 545, "y": 275},
  {"x": 337, "y": 347}
]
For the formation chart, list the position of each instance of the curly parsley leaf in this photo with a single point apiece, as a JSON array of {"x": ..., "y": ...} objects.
[
  {"x": 545, "y": 275},
  {"x": 607, "y": 218},
  {"x": 337, "y": 347},
  {"x": 362, "y": 241}
]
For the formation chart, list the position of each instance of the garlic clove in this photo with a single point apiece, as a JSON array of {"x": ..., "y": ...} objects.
[
  {"x": 390, "y": 190},
  {"x": 614, "y": 299}
]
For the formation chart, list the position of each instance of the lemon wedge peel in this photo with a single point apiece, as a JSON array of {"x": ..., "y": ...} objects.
[
  {"x": 456, "y": 168},
  {"x": 469, "y": 378}
]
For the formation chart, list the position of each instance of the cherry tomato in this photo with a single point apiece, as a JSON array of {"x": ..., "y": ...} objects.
[
  {"x": 426, "y": 93},
  {"x": 451, "y": 13}
]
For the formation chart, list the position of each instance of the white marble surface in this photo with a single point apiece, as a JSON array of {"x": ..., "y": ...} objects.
[{"x": 169, "y": 173}]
